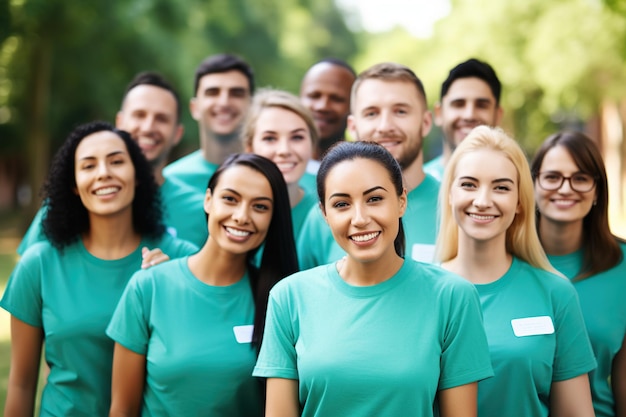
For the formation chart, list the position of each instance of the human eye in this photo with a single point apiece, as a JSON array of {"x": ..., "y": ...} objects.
[
  {"x": 339, "y": 204},
  {"x": 402, "y": 111},
  {"x": 87, "y": 166},
  {"x": 375, "y": 199},
  {"x": 262, "y": 207},
  {"x": 238, "y": 92},
  {"x": 468, "y": 185},
  {"x": 370, "y": 113},
  {"x": 503, "y": 188},
  {"x": 551, "y": 177},
  {"x": 228, "y": 198},
  {"x": 582, "y": 178},
  {"x": 298, "y": 138},
  {"x": 268, "y": 138}
]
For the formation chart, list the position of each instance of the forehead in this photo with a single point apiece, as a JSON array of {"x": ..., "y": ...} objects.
[
  {"x": 383, "y": 93},
  {"x": 326, "y": 76},
  {"x": 559, "y": 158},
  {"x": 100, "y": 143},
  {"x": 470, "y": 88},
  {"x": 279, "y": 117},
  {"x": 150, "y": 97},
  {"x": 226, "y": 80},
  {"x": 245, "y": 180},
  {"x": 357, "y": 175},
  {"x": 485, "y": 163}
]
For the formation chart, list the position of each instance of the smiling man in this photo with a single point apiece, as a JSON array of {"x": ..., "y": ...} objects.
[
  {"x": 388, "y": 107},
  {"x": 223, "y": 87},
  {"x": 470, "y": 97}
]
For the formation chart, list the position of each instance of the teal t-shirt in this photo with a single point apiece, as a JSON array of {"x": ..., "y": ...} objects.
[
  {"x": 71, "y": 295},
  {"x": 604, "y": 311},
  {"x": 316, "y": 245},
  {"x": 381, "y": 350},
  {"x": 192, "y": 170},
  {"x": 301, "y": 210},
  {"x": 536, "y": 336},
  {"x": 196, "y": 339},
  {"x": 309, "y": 183},
  {"x": 34, "y": 233},
  {"x": 435, "y": 167},
  {"x": 183, "y": 212}
]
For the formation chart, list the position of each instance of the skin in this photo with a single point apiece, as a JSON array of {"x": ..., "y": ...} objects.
[
  {"x": 283, "y": 137},
  {"x": 468, "y": 103},
  {"x": 362, "y": 202},
  {"x": 240, "y": 212},
  {"x": 219, "y": 106},
  {"x": 482, "y": 255},
  {"x": 393, "y": 114},
  {"x": 325, "y": 90},
  {"x": 563, "y": 210},
  {"x": 148, "y": 113}
]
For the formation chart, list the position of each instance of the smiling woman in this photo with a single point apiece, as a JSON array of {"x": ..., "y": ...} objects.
[
  {"x": 204, "y": 367},
  {"x": 103, "y": 209}
]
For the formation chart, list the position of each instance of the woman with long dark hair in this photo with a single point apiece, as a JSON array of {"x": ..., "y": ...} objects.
[
  {"x": 187, "y": 332},
  {"x": 103, "y": 210}
]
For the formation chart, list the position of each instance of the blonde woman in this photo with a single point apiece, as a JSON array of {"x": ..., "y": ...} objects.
[{"x": 539, "y": 347}]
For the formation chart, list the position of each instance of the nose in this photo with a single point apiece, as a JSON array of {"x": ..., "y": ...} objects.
[
  {"x": 469, "y": 112},
  {"x": 223, "y": 98},
  {"x": 284, "y": 147},
  {"x": 241, "y": 214},
  {"x": 482, "y": 199},
  {"x": 566, "y": 186},
  {"x": 385, "y": 123},
  {"x": 103, "y": 169},
  {"x": 147, "y": 124},
  {"x": 360, "y": 217},
  {"x": 320, "y": 104}
]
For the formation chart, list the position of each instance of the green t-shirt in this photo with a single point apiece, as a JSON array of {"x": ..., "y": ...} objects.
[
  {"x": 536, "y": 336},
  {"x": 604, "y": 310},
  {"x": 381, "y": 350},
  {"x": 193, "y": 170},
  {"x": 183, "y": 212},
  {"x": 196, "y": 339},
  {"x": 316, "y": 245},
  {"x": 435, "y": 167},
  {"x": 71, "y": 295}
]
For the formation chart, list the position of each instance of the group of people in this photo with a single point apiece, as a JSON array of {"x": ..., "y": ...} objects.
[{"x": 281, "y": 270}]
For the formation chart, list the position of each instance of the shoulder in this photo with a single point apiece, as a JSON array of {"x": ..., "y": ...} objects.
[
  {"x": 181, "y": 163},
  {"x": 547, "y": 280},
  {"x": 303, "y": 281},
  {"x": 171, "y": 246},
  {"x": 433, "y": 279}
]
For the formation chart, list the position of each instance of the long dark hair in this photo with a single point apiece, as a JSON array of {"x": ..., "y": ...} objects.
[
  {"x": 348, "y": 151},
  {"x": 279, "y": 252},
  {"x": 601, "y": 250},
  {"x": 67, "y": 218}
]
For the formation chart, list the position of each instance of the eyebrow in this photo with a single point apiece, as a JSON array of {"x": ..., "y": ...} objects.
[
  {"x": 254, "y": 199},
  {"x": 497, "y": 180},
  {"x": 114, "y": 153},
  {"x": 368, "y": 191},
  {"x": 300, "y": 129}
]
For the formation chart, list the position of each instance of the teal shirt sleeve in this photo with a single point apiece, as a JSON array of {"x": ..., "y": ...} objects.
[{"x": 34, "y": 233}]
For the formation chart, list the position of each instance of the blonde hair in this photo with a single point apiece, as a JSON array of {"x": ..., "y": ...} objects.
[
  {"x": 268, "y": 98},
  {"x": 522, "y": 240}
]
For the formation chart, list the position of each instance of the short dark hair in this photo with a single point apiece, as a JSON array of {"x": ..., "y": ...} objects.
[
  {"x": 338, "y": 62},
  {"x": 349, "y": 151},
  {"x": 389, "y": 71},
  {"x": 474, "y": 68},
  {"x": 223, "y": 63},
  {"x": 279, "y": 251},
  {"x": 66, "y": 217},
  {"x": 157, "y": 80},
  {"x": 601, "y": 250}
]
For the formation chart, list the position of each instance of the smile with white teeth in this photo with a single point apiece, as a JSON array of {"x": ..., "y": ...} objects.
[
  {"x": 365, "y": 237},
  {"x": 564, "y": 203},
  {"x": 481, "y": 217},
  {"x": 106, "y": 190},
  {"x": 237, "y": 232}
]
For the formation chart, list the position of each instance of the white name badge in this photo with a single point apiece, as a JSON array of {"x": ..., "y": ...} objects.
[
  {"x": 423, "y": 253},
  {"x": 532, "y": 326},
  {"x": 243, "y": 334}
]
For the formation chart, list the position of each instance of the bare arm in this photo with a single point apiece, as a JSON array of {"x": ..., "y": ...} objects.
[
  {"x": 618, "y": 381},
  {"x": 282, "y": 398},
  {"x": 26, "y": 343},
  {"x": 571, "y": 398},
  {"x": 129, "y": 371},
  {"x": 459, "y": 401}
]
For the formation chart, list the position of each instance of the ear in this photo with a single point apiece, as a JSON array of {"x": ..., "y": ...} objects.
[
  {"x": 352, "y": 127},
  {"x": 207, "y": 201},
  {"x": 193, "y": 109},
  {"x": 403, "y": 202},
  {"x": 180, "y": 129},
  {"x": 427, "y": 123},
  {"x": 437, "y": 110}
]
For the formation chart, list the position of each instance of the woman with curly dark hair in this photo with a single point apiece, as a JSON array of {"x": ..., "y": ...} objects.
[{"x": 103, "y": 212}]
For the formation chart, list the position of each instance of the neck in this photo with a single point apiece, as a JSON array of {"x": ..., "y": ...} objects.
[
  {"x": 364, "y": 274},
  {"x": 445, "y": 154},
  {"x": 111, "y": 237},
  {"x": 480, "y": 262},
  {"x": 414, "y": 173},
  {"x": 559, "y": 238},
  {"x": 216, "y": 148},
  {"x": 216, "y": 266},
  {"x": 157, "y": 171},
  {"x": 295, "y": 194}
]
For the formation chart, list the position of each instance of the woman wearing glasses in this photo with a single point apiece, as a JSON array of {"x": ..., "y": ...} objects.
[{"x": 571, "y": 193}]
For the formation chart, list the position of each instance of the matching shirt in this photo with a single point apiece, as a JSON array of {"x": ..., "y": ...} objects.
[
  {"x": 71, "y": 294},
  {"x": 604, "y": 311},
  {"x": 192, "y": 170},
  {"x": 385, "y": 349}
]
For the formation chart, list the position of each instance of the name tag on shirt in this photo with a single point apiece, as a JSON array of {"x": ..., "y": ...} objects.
[
  {"x": 243, "y": 334},
  {"x": 532, "y": 326},
  {"x": 423, "y": 253}
]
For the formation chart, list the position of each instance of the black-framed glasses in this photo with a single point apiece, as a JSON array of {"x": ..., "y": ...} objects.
[{"x": 579, "y": 181}]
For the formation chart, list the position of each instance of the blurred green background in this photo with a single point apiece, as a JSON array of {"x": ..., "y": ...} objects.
[{"x": 562, "y": 64}]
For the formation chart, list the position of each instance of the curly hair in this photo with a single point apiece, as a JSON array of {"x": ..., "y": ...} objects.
[{"x": 67, "y": 218}]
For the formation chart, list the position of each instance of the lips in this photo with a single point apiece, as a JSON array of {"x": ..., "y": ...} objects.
[
  {"x": 364, "y": 237},
  {"x": 482, "y": 217},
  {"x": 237, "y": 232},
  {"x": 106, "y": 191},
  {"x": 564, "y": 203}
]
